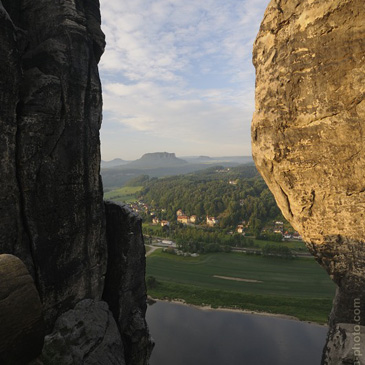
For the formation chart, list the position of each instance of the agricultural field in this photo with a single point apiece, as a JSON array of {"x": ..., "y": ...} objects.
[
  {"x": 124, "y": 194},
  {"x": 293, "y": 245},
  {"x": 297, "y": 287}
]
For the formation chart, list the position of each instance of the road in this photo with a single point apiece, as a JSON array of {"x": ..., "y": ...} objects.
[{"x": 153, "y": 248}]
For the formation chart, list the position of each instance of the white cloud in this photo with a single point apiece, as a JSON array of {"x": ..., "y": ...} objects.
[
  {"x": 181, "y": 67},
  {"x": 149, "y": 109}
]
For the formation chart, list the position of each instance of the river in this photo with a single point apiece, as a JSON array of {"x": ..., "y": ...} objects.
[{"x": 186, "y": 335}]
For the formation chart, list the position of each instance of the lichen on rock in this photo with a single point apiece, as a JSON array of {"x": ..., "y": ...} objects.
[{"x": 307, "y": 132}]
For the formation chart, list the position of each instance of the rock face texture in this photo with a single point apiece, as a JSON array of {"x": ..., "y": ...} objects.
[
  {"x": 22, "y": 326},
  {"x": 125, "y": 288},
  {"x": 53, "y": 197},
  {"x": 307, "y": 135},
  {"x": 52, "y": 212},
  {"x": 86, "y": 335}
]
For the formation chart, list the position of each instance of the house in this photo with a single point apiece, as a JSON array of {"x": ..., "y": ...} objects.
[
  {"x": 279, "y": 227},
  {"x": 155, "y": 220},
  {"x": 180, "y": 213},
  {"x": 240, "y": 228},
  {"x": 165, "y": 223},
  {"x": 184, "y": 219},
  {"x": 211, "y": 221},
  {"x": 287, "y": 236},
  {"x": 193, "y": 219},
  {"x": 297, "y": 236}
]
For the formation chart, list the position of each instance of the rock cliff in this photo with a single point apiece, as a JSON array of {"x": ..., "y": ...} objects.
[
  {"x": 125, "y": 288},
  {"x": 307, "y": 138},
  {"x": 51, "y": 199},
  {"x": 22, "y": 326},
  {"x": 157, "y": 159}
]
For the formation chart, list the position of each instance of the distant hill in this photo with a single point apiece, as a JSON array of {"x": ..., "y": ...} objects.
[
  {"x": 117, "y": 176},
  {"x": 217, "y": 160},
  {"x": 244, "y": 171},
  {"x": 113, "y": 163},
  {"x": 157, "y": 159},
  {"x": 197, "y": 159},
  {"x": 117, "y": 172}
]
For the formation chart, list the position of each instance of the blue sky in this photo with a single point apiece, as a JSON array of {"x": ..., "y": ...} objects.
[{"x": 177, "y": 76}]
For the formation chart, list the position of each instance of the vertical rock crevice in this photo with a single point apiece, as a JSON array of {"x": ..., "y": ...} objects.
[
  {"x": 51, "y": 198},
  {"x": 125, "y": 289},
  {"x": 62, "y": 199}
]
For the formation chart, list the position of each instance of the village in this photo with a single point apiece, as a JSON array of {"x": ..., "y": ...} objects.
[{"x": 277, "y": 227}]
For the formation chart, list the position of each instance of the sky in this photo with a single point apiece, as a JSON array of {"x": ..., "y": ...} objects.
[{"x": 177, "y": 76}]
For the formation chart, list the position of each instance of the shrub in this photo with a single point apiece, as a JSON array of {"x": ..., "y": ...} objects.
[{"x": 151, "y": 282}]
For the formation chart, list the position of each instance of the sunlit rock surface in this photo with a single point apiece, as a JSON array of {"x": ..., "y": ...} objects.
[{"x": 307, "y": 135}]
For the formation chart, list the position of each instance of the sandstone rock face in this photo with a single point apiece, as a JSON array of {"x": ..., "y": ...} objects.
[
  {"x": 85, "y": 335},
  {"x": 13, "y": 238},
  {"x": 307, "y": 132},
  {"x": 51, "y": 197},
  {"x": 125, "y": 288},
  {"x": 22, "y": 326},
  {"x": 52, "y": 213},
  {"x": 345, "y": 345}
]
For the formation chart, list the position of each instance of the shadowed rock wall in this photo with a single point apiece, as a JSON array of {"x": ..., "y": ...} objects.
[
  {"x": 22, "y": 326},
  {"x": 125, "y": 288},
  {"x": 87, "y": 334},
  {"x": 52, "y": 212},
  {"x": 52, "y": 196},
  {"x": 307, "y": 138}
]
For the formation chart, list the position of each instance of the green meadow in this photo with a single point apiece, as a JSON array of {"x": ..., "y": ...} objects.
[
  {"x": 293, "y": 245},
  {"x": 297, "y": 287},
  {"x": 125, "y": 194}
]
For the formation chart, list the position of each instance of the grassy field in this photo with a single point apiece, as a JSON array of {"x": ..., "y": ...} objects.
[
  {"x": 297, "y": 287},
  {"x": 293, "y": 245},
  {"x": 125, "y": 194},
  {"x": 152, "y": 227},
  {"x": 148, "y": 248}
]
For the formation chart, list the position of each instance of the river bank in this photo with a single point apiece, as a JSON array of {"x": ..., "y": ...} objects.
[
  {"x": 151, "y": 301},
  {"x": 296, "y": 288},
  {"x": 186, "y": 334},
  {"x": 310, "y": 310}
]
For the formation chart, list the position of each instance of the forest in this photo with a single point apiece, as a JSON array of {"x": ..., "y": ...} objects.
[{"x": 233, "y": 195}]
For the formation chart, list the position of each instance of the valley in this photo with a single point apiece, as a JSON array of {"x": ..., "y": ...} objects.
[
  {"x": 298, "y": 288},
  {"x": 225, "y": 241}
]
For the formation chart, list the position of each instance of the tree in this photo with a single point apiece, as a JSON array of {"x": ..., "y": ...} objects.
[
  {"x": 151, "y": 282},
  {"x": 277, "y": 251}
]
